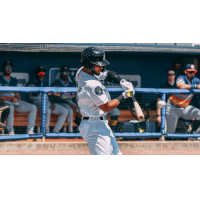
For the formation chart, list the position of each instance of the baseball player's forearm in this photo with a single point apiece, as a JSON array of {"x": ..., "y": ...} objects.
[
  {"x": 189, "y": 87},
  {"x": 110, "y": 105}
]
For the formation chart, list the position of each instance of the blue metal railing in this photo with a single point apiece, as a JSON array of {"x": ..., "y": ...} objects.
[{"x": 46, "y": 90}]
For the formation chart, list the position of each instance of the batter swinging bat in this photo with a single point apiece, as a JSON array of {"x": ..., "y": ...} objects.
[{"x": 138, "y": 110}]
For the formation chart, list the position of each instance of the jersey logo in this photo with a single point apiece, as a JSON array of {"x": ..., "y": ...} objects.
[{"x": 98, "y": 91}]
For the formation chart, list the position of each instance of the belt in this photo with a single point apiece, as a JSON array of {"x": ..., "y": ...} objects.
[{"x": 86, "y": 118}]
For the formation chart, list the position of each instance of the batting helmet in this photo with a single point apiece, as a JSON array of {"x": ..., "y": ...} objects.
[{"x": 92, "y": 56}]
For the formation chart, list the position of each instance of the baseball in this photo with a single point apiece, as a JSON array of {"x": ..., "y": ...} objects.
[{"x": 161, "y": 104}]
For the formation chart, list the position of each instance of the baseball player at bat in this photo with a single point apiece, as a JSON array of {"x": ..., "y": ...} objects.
[
  {"x": 178, "y": 104},
  {"x": 94, "y": 101}
]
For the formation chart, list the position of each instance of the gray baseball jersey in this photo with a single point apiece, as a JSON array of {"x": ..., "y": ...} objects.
[{"x": 91, "y": 93}]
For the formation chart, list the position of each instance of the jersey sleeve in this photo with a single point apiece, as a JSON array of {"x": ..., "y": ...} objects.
[
  {"x": 97, "y": 93},
  {"x": 180, "y": 80}
]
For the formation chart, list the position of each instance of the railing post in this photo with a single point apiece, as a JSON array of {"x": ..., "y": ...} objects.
[
  {"x": 162, "y": 127},
  {"x": 43, "y": 113}
]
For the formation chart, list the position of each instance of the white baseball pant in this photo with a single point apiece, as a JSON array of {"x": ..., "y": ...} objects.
[
  {"x": 24, "y": 107},
  {"x": 69, "y": 116},
  {"x": 99, "y": 137},
  {"x": 59, "y": 110},
  {"x": 173, "y": 113}
]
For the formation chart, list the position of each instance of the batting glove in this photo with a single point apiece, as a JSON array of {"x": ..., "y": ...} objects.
[
  {"x": 127, "y": 94},
  {"x": 127, "y": 85}
]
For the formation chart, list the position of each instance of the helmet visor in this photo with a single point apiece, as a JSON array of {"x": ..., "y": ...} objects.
[{"x": 101, "y": 63}]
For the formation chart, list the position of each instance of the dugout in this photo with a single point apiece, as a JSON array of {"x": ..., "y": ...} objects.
[
  {"x": 144, "y": 64},
  {"x": 149, "y": 61}
]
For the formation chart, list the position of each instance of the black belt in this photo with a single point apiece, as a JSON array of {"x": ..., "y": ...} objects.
[{"x": 86, "y": 118}]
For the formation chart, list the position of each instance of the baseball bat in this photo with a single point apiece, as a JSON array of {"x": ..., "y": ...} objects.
[{"x": 138, "y": 109}]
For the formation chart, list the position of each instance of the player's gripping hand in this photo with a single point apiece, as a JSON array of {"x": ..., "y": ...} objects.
[
  {"x": 127, "y": 85},
  {"x": 127, "y": 94}
]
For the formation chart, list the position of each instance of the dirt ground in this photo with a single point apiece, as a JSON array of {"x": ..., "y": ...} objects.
[{"x": 86, "y": 152}]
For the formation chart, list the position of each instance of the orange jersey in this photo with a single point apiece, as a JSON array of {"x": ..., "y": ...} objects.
[{"x": 183, "y": 100}]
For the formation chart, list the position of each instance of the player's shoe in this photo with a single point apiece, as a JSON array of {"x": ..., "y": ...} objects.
[
  {"x": 11, "y": 133},
  {"x": 30, "y": 131}
]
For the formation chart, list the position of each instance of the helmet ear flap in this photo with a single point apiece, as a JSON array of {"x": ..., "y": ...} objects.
[{"x": 87, "y": 63}]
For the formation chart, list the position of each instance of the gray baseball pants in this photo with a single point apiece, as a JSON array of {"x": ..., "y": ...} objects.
[
  {"x": 69, "y": 116},
  {"x": 23, "y": 107},
  {"x": 59, "y": 110},
  {"x": 173, "y": 113},
  {"x": 99, "y": 137}
]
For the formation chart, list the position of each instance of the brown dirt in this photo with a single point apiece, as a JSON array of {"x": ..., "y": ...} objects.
[{"x": 86, "y": 152}]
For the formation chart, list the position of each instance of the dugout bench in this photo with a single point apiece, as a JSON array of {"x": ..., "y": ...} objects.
[{"x": 21, "y": 119}]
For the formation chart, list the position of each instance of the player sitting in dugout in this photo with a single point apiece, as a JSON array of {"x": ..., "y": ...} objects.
[
  {"x": 51, "y": 106},
  {"x": 13, "y": 100},
  {"x": 178, "y": 104},
  {"x": 65, "y": 99}
]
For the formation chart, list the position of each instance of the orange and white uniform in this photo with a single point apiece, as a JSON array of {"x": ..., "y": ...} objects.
[{"x": 178, "y": 105}]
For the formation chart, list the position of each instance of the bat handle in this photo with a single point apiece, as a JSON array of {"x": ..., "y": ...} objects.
[{"x": 133, "y": 97}]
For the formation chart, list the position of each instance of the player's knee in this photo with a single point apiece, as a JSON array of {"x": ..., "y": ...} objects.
[
  {"x": 33, "y": 108},
  {"x": 65, "y": 112},
  {"x": 198, "y": 115}
]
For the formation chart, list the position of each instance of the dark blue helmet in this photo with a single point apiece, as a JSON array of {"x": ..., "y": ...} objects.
[{"x": 92, "y": 56}]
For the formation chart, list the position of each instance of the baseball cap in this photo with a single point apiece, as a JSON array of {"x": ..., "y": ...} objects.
[
  {"x": 190, "y": 67},
  {"x": 40, "y": 69},
  {"x": 64, "y": 69},
  {"x": 7, "y": 63}
]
